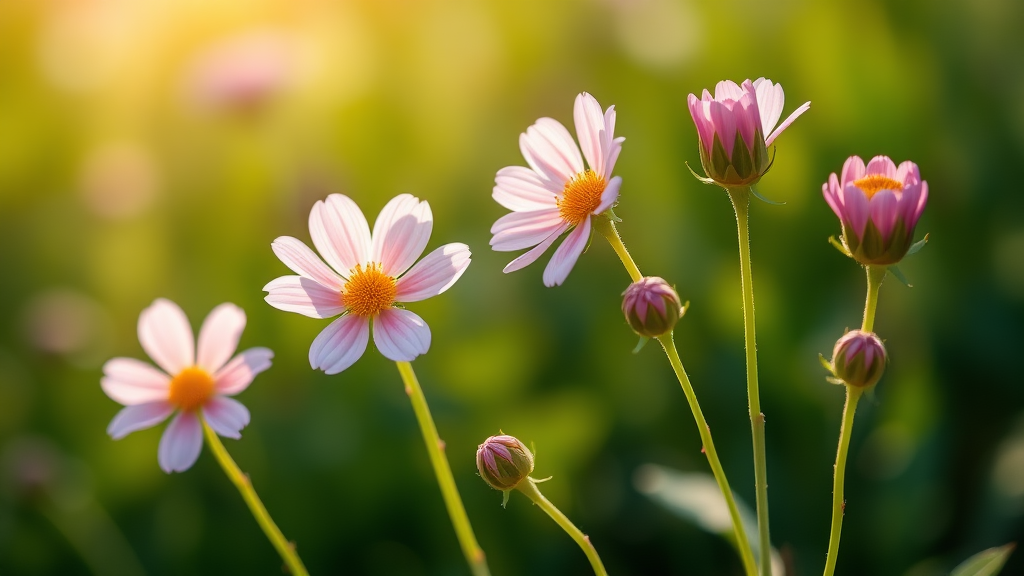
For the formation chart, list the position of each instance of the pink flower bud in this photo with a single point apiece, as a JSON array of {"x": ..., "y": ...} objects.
[
  {"x": 503, "y": 462},
  {"x": 651, "y": 306},
  {"x": 859, "y": 359},
  {"x": 735, "y": 128},
  {"x": 879, "y": 206}
]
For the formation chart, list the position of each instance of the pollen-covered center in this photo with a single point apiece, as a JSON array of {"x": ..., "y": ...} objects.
[
  {"x": 581, "y": 197},
  {"x": 368, "y": 291},
  {"x": 191, "y": 388},
  {"x": 876, "y": 182}
]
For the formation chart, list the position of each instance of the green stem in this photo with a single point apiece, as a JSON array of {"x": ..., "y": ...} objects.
[
  {"x": 741, "y": 203},
  {"x": 435, "y": 447},
  {"x": 604, "y": 225},
  {"x": 241, "y": 481},
  {"x": 875, "y": 276},
  {"x": 606, "y": 228},
  {"x": 853, "y": 394},
  {"x": 668, "y": 343},
  {"x": 529, "y": 487}
]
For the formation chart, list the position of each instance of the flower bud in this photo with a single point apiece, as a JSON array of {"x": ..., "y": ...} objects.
[
  {"x": 503, "y": 462},
  {"x": 859, "y": 359},
  {"x": 651, "y": 306}
]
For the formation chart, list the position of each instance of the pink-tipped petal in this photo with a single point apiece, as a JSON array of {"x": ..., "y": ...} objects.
[
  {"x": 237, "y": 374},
  {"x": 728, "y": 90},
  {"x": 303, "y": 296},
  {"x": 226, "y": 416},
  {"x": 748, "y": 121},
  {"x": 340, "y": 233},
  {"x": 884, "y": 212},
  {"x": 401, "y": 233},
  {"x": 613, "y": 155},
  {"x": 725, "y": 125},
  {"x": 855, "y": 203},
  {"x": 565, "y": 256},
  {"x": 530, "y": 257},
  {"x": 218, "y": 338},
  {"x": 610, "y": 195},
  {"x": 129, "y": 381},
  {"x": 700, "y": 112},
  {"x": 916, "y": 214},
  {"x": 400, "y": 335},
  {"x": 907, "y": 173},
  {"x": 610, "y": 145},
  {"x": 518, "y": 230},
  {"x": 181, "y": 443},
  {"x": 770, "y": 100},
  {"x": 166, "y": 336},
  {"x": 304, "y": 262},
  {"x": 853, "y": 170},
  {"x": 138, "y": 417},
  {"x": 340, "y": 344},
  {"x": 590, "y": 130},
  {"x": 548, "y": 148},
  {"x": 785, "y": 123},
  {"x": 882, "y": 165},
  {"x": 520, "y": 189},
  {"x": 434, "y": 274},
  {"x": 830, "y": 190}
]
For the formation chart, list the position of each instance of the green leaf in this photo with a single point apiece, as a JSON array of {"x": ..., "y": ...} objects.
[
  {"x": 916, "y": 246},
  {"x": 898, "y": 274},
  {"x": 985, "y": 563}
]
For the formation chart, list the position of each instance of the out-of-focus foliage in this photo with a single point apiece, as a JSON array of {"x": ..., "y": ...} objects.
[{"x": 156, "y": 148}]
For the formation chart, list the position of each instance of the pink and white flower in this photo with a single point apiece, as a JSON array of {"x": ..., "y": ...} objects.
[
  {"x": 732, "y": 127},
  {"x": 557, "y": 193},
  {"x": 878, "y": 205},
  {"x": 196, "y": 384},
  {"x": 368, "y": 275}
]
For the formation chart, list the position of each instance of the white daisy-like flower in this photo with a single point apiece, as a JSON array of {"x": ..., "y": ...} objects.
[
  {"x": 371, "y": 274},
  {"x": 195, "y": 385},
  {"x": 557, "y": 193}
]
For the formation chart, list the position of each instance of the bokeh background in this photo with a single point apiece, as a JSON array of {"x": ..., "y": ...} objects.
[{"x": 155, "y": 149}]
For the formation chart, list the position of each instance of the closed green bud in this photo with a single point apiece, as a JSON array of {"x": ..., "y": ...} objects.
[
  {"x": 859, "y": 359},
  {"x": 503, "y": 462},
  {"x": 651, "y": 306}
]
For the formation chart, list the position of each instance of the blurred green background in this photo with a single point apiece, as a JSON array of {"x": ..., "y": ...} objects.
[{"x": 146, "y": 152}]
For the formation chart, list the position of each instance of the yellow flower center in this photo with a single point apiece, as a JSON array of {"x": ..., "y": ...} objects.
[
  {"x": 875, "y": 183},
  {"x": 368, "y": 291},
  {"x": 191, "y": 388},
  {"x": 581, "y": 197}
]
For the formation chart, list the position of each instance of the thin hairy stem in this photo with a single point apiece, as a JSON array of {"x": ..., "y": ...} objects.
[
  {"x": 875, "y": 276},
  {"x": 529, "y": 487},
  {"x": 853, "y": 394}
]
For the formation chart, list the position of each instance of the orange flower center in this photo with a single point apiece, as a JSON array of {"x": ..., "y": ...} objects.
[
  {"x": 581, "y": 197},
  {"x": 368, "y": 291},
  {"x": 875, "y": 183},
  {"x": 191, "y": 388}
]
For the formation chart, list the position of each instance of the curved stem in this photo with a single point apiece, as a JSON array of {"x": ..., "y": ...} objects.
[
  {"x": 875, "y": 276},
  {"x": 604, "y": 225},
  {"x": 742, "y": 543},
  {"x": 529, "y": 487},
  {"x": 853, "y": 394},
  {"x": 741, "y": 203},
  {"x": 241, "y": 481},
  {"x": 435, "y": 448}
]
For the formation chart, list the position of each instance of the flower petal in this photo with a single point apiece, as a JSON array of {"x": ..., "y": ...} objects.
[
  {"x": 218, "y": 338},
  {"x": 130, "y": 381},
  {"x": 610, "y": 146},
  {"x": 340, "y": 233},
  {"x": 401, "y": 233},
  {"x": 610, "y": 195},
  {"x": 882, "y": 165},
  {"x": 830, "y": 190},
  {"x": 728, "y": 90},
  {"x": 437, "y": 272},
  {"x": 166, "y": 336},
  {"x": 340, "y": 344},
  {"x": 549, "y": 149},
  {"x": 303, "y": 296},
  {"x": 785, "y": 123},
  {"x": 528, "y": 258},
  {"x": 770, "y": 100},
  {"x": 400, "y": 335},
  {"x": 724, "y": 121},
  {"x": 915, "y": 215},
  {"x": 520, "y": 189},
  {"x": 566, "y": 255},
  {"x": 518, "y": 230},
  {"x": 237, "y": 374},
  {"x": 181, "y": 443},
  {"x": 701, "y": 114},
  {"x": 590, "y": 130},
  {"x": 304, "y": 262},
  {"x": 884, "y": 212},
  {"x": 853, "y": 170},
  {"x": 139, "y": 417},
  {"x": 226, "y": 416},
  {"x": 907, "y": 173},
  {"x": 856, "y": 207}
]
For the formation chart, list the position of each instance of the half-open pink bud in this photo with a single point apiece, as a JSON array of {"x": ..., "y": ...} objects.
[
  {"x": 859, "y": 359},
  {"x": 503, "y": 462},
  {"x": 651, "y": 306}
]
